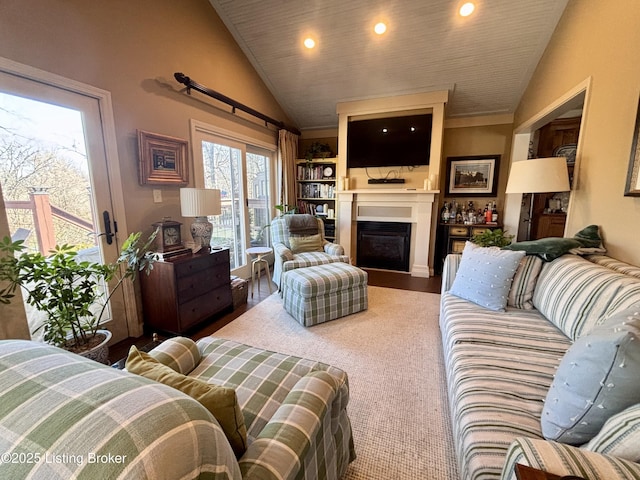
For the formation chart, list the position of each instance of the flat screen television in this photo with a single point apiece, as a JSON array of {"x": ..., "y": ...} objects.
[{"x": 393, "y": 141}]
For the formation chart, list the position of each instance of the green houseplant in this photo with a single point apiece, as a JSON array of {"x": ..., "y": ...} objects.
[
  {"x": 67, "y": 290},
  {"x": 492, "y": 238}
]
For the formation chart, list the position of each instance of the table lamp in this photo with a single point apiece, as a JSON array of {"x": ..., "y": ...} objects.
[
  {"x": 538, "y": 175},
  {"x": 200, "y": 203}
]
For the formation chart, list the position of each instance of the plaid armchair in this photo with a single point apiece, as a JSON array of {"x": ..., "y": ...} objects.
[{"x": 286, "y": 226}]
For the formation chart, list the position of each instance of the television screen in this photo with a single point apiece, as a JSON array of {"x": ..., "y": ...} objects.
[{"x": 393, "y": 141}]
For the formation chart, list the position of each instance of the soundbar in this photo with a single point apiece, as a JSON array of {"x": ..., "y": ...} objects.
[{"x": 386, "y": 180}]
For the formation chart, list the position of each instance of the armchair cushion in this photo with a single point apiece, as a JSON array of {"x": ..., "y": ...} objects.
[{"x": 308, "y": 243}]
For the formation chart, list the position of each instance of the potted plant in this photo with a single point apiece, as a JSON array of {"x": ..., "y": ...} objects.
[
  {"x": 492, "y": 238},
  {"x": 67, "y": 290},
  {"x": 318, "y": 150}
]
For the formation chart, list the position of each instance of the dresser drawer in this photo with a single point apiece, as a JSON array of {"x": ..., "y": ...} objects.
[
  {"x": 201, "y": 282},
  {"x": 204, "y": 306},
  {"x": 201, "y": 262}
]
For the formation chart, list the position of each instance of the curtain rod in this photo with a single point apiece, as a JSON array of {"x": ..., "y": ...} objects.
[{"x": 182, "y": 78}]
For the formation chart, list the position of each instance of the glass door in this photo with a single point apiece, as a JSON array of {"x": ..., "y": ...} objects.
[
  {"x": 242, "y": 173},
  {"x": 54, "y": 177},
  {"x": 222, "y": 164}
]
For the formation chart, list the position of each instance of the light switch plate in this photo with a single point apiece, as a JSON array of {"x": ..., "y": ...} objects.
[{"x": 157, "y": 196}]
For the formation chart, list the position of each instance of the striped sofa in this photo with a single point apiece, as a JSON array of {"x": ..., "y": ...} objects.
[
  {"x": 500, "y": 366},
  {"x": 65, "y": 417}
]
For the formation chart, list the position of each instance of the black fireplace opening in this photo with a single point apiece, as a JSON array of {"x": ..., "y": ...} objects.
[{"x": 384, "y": 245}]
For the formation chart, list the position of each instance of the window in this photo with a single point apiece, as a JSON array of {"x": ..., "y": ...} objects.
[{"x": 241, "y": 169}]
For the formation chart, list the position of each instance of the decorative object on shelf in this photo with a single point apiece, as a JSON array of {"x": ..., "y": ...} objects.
[
  {"x": 169, "y": 235},
  {"x": 318, "y": 150},
  {"x": 538, "y": 175},
  {"x": 567, "y": 151},
  {"x": 327, "y": 172},
  {"x": 68, "y": 290},
  {"x": 473, "y": 176},
  {"x": 163, "y": 159},
  {"x": 632, "y": 188},
  {"x": 200, "y": 203}
]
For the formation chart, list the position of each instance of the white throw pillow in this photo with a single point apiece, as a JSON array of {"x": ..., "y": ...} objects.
[{"x": 485, "y": 275}]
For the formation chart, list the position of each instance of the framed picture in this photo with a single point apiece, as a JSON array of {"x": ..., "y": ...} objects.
[
  {"x": 632, "y": 189},
  {"x": 163, "y": 160},
  {"x": 473, "y": 176}
]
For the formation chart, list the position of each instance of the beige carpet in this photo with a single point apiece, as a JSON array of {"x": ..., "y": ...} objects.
[{"x": 392, "y": 353}]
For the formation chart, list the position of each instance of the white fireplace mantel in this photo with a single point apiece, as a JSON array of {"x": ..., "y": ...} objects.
[{"x": 389, "y": 205}]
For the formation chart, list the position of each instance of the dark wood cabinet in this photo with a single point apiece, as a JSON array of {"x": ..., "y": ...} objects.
[
  {"x": 559, "y": 133},
  {"x": 451, "y": 238},
  {"x": 183, "y": 292}
]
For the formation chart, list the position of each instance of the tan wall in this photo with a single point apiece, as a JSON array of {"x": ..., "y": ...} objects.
[
  {"x": 600, "y": 40},
  {"x": 478, "y": 140},
  {"x": 132, "y": 49}
]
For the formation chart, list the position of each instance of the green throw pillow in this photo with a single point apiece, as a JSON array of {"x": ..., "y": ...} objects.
[
  {"x": 309, "y": 243},
  {"x": 547, "y": 249},
  {"x": 220, "y": 401},
  {"x": 589, "y": 237}
]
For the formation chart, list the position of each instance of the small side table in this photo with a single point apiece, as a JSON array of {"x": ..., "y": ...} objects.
[{"x": 256, "y": 263}]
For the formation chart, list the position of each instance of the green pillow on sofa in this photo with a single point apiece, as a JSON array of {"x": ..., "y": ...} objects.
[
  {"x": 220, "y": 401},
  {"x": 551, "y": 248}
]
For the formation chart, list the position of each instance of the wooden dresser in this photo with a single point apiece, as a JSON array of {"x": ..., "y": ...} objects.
[{"x": 183, "y": 292}]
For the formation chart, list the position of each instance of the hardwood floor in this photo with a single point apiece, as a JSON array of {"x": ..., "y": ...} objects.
[{"x": 379, "y": 278}]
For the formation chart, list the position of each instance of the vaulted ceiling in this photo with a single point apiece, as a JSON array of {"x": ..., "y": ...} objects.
[{"x": 485, "y": 60}]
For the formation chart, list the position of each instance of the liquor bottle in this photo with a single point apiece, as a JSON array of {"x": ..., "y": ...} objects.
[
  {"x": 446, "y": 214},
  {"x": 494, "y": 213},
  {"x": 487, "y": 214}
]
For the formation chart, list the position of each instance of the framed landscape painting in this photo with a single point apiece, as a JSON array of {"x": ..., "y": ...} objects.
[
  {"x": 163, "y": 160},
  {"x": 472, "y": 176}
]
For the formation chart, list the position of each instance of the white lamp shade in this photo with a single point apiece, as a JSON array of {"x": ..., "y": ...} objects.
[
  {"x": 199, "y": 202},
  {"x": 539, "y": 175}
]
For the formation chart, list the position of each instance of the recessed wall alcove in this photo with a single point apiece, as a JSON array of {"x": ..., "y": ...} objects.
[{"x": 410, "y": 202}]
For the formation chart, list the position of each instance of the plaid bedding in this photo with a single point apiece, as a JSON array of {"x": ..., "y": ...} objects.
[
  {"x": 500, "y": 366},
  {"x": 294, "y": 410},
  {"x": 66, "y": 417}
]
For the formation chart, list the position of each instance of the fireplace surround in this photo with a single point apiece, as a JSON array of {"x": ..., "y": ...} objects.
[{"x": 389, "y": 205}]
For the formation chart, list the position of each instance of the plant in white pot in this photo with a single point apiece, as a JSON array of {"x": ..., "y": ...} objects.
[{"x": 67, "y": 290}]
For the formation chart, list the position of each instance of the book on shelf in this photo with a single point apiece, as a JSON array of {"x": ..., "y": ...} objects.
[
  {"x": 316, "y": 190},
  {"x": 313, "y": 172}
]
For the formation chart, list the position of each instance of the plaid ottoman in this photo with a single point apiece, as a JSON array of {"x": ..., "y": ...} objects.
[{"x": 321, "y": 293}]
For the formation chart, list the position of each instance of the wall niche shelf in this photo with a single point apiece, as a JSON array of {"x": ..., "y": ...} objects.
[{"x": 316, "y": 191}]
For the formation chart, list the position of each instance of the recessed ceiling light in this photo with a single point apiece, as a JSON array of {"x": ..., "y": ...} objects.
[
  {"x": 380, "y": 28},
  {"x": 467, "y": 9},
  {"x": 309, "y": 42}
]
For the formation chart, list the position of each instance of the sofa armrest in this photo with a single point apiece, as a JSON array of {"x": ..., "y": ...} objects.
[
  {"x": 179, "y": 353},
  {"x": 561, "y": 459},
  {"x": 283, "y": 251},
  {"x": 451, "y": 264},
  {"x": 333, "y": 248},
  {"x": 300, "y": 423}
]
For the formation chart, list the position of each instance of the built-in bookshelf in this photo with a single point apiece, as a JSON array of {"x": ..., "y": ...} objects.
[{"x": 316, "y": 194}]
